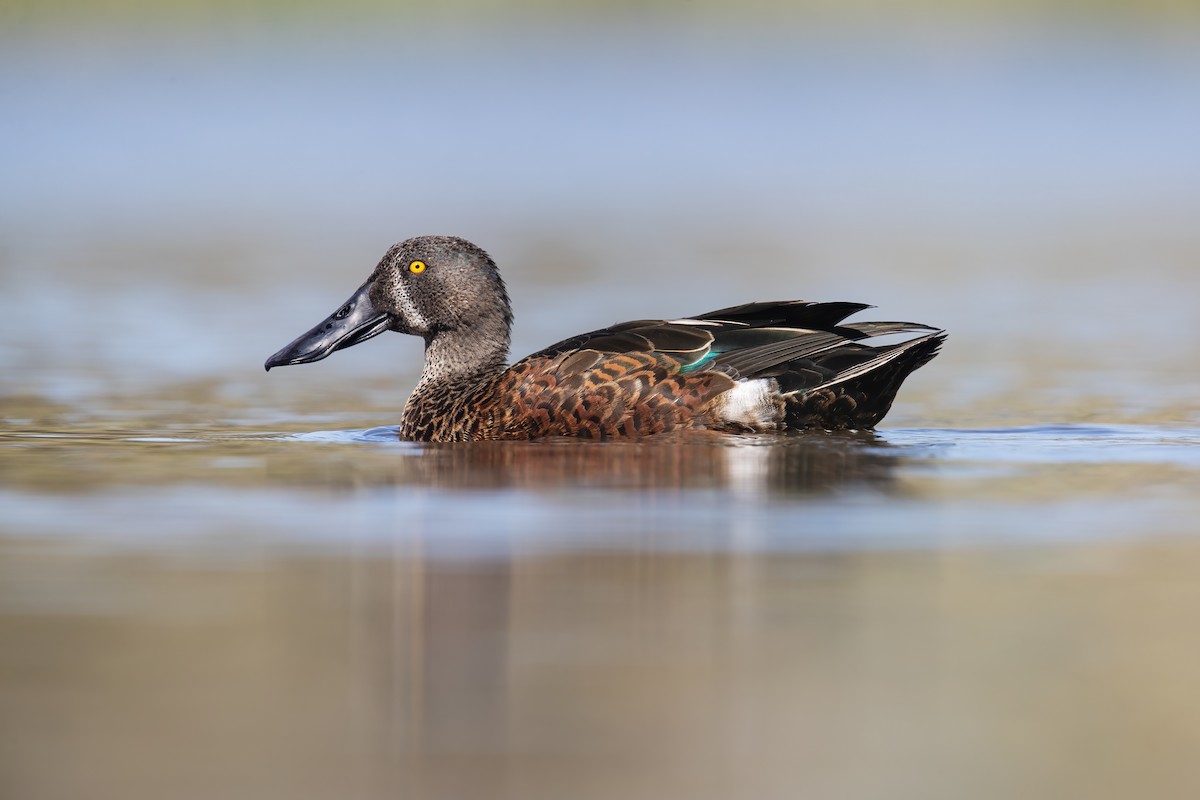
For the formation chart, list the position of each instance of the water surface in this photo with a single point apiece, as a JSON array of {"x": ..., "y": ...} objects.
[{"x": 220, "y": 583}]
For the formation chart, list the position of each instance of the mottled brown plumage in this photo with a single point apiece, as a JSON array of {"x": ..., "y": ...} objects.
[
  {"x": 755, "y": 367},
  {"x": 586, "y": 394}
]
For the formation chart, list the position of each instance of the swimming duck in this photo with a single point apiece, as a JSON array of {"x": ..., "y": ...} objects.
[{"x": 751, "y": 368}]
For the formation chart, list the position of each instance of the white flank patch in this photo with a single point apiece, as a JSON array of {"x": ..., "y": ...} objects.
[{"x": 749, "y": 402}]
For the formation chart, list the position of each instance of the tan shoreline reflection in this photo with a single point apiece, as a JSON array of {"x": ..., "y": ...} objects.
[{"x": 631, "y": 674}]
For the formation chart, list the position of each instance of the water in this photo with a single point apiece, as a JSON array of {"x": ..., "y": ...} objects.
[{"x": 218, "y": 582}]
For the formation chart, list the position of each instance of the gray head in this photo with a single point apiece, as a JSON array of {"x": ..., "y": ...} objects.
[{"x": 436, "y": 287}]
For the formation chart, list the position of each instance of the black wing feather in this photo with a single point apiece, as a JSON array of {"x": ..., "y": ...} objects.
[{"x": 800, "y": 343}]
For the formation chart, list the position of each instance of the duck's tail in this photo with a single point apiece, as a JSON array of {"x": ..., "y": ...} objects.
[
  {"x": 862, "y": 387},
  {"x": 827, "y": 377}
]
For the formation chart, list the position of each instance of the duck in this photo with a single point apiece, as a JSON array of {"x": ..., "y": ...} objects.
[{"x": 759, "y": 367}]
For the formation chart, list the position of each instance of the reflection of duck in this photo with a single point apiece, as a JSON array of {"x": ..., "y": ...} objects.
[
  {"x": 778, "y": 466},
  {"x": 755, "y": 367}
]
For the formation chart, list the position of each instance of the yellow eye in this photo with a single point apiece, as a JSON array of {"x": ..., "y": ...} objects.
[{"x": 416, "y": 267}]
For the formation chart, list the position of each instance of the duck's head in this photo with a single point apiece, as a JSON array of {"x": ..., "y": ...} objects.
[{"x": 427, "y": 286}]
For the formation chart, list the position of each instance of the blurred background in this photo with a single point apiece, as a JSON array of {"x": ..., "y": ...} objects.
[
  {"x": 215, "y": 582},
  {"x": 1025, "y": 175}
]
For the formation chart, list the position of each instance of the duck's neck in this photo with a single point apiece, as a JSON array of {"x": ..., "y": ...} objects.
[{"x": 455, "y": 355}]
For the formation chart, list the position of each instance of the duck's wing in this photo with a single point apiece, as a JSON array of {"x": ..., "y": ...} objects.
[
  {"x": 684, "y": 340},
  {"x": 697, "y": 340},
  {"x": 675, "y": 368},
  {"x": 748, "y": 341}
]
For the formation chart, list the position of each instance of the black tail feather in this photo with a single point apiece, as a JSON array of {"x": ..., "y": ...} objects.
[{"x": 860, "y": 395}]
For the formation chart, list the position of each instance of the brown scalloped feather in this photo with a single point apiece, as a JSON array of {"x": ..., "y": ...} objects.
[{"x": 584, "y": 394}]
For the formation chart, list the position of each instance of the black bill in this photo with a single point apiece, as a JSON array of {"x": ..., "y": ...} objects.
[{"x": 356, "y": 321}]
